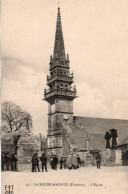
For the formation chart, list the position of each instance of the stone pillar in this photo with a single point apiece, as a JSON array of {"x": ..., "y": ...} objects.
[
  {"x": 107, "y": 137},
  {"x": 114, "y": 136},
  {"x": 87, "y": 143}
]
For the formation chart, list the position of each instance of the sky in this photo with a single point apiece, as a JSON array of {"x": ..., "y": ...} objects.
[{"x": 96, "y": 39}]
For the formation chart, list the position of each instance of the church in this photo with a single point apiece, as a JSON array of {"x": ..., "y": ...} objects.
[{"x": 68, "y": 133}]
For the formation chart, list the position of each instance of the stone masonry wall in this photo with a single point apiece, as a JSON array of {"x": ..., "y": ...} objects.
[{"x": 64, "y": 106}]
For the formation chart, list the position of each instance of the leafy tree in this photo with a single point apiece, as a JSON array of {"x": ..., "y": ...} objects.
[{"x": 15, "y": 117}]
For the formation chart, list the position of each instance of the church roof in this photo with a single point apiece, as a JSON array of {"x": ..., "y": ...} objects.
[
  {"x": 124, "y": 141},
  {"x": 94, "y": 129}
]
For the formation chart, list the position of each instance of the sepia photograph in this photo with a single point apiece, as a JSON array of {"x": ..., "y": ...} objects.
[{"x": 64, "y": 99}]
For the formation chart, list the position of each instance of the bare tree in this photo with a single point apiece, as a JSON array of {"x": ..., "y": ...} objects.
[{"x": 15, "y": 117}]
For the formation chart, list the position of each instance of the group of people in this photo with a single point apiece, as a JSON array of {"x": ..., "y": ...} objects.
[
  {"x": 73, "y": 162},
  {"x": 9, "y": 161},
  {"x": 125, "y": 158},
  {"x": 35, "y": 162}
]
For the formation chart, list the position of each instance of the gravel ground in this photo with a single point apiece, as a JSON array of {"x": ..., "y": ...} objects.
[{"x": 107, "y": 180}]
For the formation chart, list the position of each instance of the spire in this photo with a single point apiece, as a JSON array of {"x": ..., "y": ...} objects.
[{"x": 59, "y": 50}]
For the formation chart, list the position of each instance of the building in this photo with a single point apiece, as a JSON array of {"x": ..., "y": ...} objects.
[{"x": 67, "y": 133}]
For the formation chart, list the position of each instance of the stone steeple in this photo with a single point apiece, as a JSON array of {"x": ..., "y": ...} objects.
[
  {"x": 59, "y": 94},
  {"x": 59, "y": 59},
  {"x": 59, "y": 50},
  {"x": 60, "y": 80}
]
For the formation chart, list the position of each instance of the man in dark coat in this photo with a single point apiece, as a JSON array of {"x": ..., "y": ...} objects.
[
  {"x": 55, "y": 162},
  {"x": 2, "y": 161},
  {"x": 61, "y": 163},
  {"x": 126, "y": 158},
  {"x": 7, "y": 160},
  {"x": 64, "y": 162},
  {"x": 78, "y": 160},
  {"x": 14, "y": 160},
  {"x": 98, "y": 159},
  {"x": 123, "y": 158},
  {"x": 35, "y": 163},
  {"x": 44, "y": 162}
]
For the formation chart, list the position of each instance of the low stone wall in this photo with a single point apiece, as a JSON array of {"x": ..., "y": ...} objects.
[
  {"x": 111, "y": 157},
  {"x": 108, "y": 157}
]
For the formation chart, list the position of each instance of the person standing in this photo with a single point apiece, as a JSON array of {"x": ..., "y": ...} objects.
[
  {"x": 51, "y": 161},
  {"x": 64, "y": 162},
  {"x": 7, "y": 160},
  {"x": 36, "y": 163},
  {"x": 123, "y": 158},
  {"x": 61, "y": 163},
  {"x": 2, "y": 161},
  {"x": 55, "y": 162},
  {"x": 33, "y": 164},
  {"x": 78, "y": 160},
  {"x": 69, "y": 162},
  {"x": 126, "y": 158},
  {"x": 14, "y": 160},
  {"x": 44, "y": 162},
  {"x": 98, "y": 160}
]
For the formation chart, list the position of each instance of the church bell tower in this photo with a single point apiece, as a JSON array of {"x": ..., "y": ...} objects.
[{"x": 59, "y": 95}]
